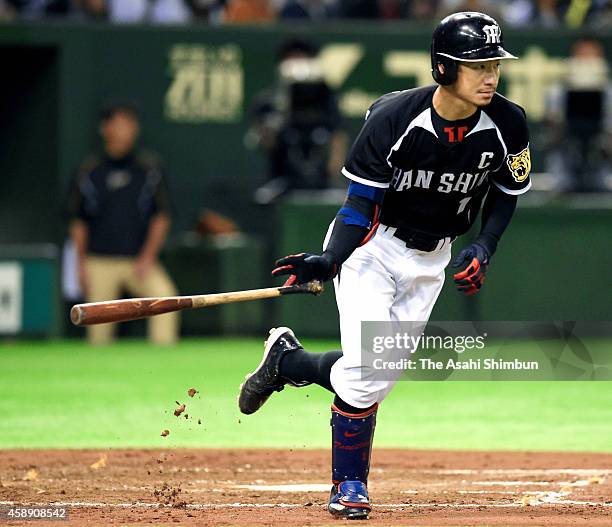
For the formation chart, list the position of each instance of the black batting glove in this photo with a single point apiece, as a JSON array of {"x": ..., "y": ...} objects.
[
  {"x": 305, "y": 267},
  {"x": 473, "y": 261}
]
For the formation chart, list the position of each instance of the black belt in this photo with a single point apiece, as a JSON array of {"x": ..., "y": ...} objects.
[{"x": 417, "y": 240}]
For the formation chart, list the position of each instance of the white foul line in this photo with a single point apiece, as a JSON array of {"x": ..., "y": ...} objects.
[{"x": 238, "y": 505}]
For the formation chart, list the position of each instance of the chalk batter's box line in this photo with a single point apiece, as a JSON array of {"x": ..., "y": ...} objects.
[
  {"x": 551, "y": 498},
  {"x": 238, "y": 505},
  {"x": 441, "y": 472}
]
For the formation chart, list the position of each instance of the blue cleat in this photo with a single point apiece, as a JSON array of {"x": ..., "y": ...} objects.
[{"x": 349, "y": 499}]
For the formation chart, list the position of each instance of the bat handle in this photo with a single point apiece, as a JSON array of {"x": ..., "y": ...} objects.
[{"x": 313, "y": 287}]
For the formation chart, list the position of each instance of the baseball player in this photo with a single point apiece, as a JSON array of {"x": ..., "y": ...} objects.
[{"x": 419, "y": 170}]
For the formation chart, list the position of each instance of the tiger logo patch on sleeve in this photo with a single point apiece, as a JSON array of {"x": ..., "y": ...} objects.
[{"x": 519, "y": 164}]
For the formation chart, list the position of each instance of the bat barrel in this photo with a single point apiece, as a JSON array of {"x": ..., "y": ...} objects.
[
  {"x": 76, "y": 315},
  {"x": 124, "y": 310}
]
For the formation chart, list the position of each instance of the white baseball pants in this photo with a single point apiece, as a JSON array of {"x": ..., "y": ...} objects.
[{"x": 381, "y": 281}]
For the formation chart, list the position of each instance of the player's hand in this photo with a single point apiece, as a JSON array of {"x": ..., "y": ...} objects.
[
  {"x": 143, "y": 265},
  {"x": 473, "y": 262},
  {"x": 83, "y": 278},
  {"x": 304, "y": 267}
]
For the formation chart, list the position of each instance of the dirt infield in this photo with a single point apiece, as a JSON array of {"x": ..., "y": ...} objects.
[{"x": 283, "y": 487}]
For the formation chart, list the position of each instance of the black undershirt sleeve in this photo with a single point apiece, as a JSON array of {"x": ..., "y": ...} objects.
[
  {"x": 497, "y": 212},
  {"x": 345, "y": 238}
]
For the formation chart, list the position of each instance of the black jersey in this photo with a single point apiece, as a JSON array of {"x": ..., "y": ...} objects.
[
  {"x": 437, "y": 172},
  {"x": 117, "y": 200}
]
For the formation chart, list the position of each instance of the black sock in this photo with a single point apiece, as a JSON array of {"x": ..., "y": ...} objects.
[{"x": 311, "y": 367}]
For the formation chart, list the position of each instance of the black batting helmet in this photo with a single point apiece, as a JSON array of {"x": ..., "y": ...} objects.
[{"x": 467, "y": 37}]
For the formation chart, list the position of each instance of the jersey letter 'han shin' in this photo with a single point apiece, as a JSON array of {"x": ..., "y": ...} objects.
[{"x": 438, "y": 172}]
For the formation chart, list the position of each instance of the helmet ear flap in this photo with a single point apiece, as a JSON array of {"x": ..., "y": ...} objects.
[{"x": 450, "y": 66}]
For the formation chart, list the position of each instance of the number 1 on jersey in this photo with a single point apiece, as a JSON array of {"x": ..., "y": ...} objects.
[{"x": 463, "y": 204}]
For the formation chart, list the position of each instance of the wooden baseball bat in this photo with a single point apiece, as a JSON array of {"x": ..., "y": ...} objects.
[{"x": 134, "y": 308}]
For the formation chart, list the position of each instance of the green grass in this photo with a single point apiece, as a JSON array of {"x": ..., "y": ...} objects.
[{"x": 68, "y": 395}]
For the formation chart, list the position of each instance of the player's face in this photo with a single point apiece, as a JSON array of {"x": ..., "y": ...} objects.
[
  {"x": 119, "y": 133},
  {"x": 477, "y": 81}
]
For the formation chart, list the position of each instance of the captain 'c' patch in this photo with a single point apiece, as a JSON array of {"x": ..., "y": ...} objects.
[{"x": 520, "y": 164}]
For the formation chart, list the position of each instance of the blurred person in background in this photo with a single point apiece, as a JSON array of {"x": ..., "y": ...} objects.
[
  {"x": 92, "y": 9},
  {"x": 390, "y": 9},
  {"x": 151, "y": 11},
  {"x": 117, "y": 11},
  {"x": 297, "y": 124},
  {"x": 359, "y": 9},
  {"x": 602, "y": 20},
  {"x": 308, "y": 9},
  {"x": 119, "y": 212},
  {"x": 580, "y": 13},
  {"x": 554, "y": 13},
  {"x": 421, "y": 10},
  {"x": 207, "y": 10},
  {"x": 490, "y": 7},
  {"x": 7, "y": 11},
  {"x": 49, "y": 8},
  {"x": 546, "y": 14},
  {"x": 249, "y": 11},
  {"x": 518, "y": 13},
  {"x": 579, "y": 121},
  {"x": 38, "y": 8}
]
